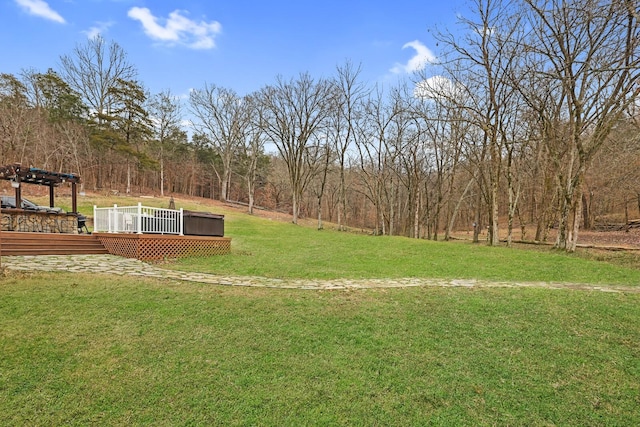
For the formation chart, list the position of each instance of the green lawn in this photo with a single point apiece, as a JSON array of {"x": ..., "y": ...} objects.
[
  {"x": 107, "y": 350},
  {"x": 275, "y": 249},
  {"x": 87, "y": 350},
  {"x": 278, "y": 249}
]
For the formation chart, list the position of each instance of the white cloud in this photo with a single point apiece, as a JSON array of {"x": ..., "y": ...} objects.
[
  {"x": 417, "y": 62},
  {"x": 177, "y": 28},
  {"x": 40, "y": 8},
  {"x": 98, "y": 29},
  {"x": 437, "y": 87}
]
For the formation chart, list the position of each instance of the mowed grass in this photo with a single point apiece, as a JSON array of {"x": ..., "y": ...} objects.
[
  {"x": 270, "y": 248},
  {"x": 93, "y": 350},
  {"x": 109, "y": 350},
  {"x": 276, "y": 249}
]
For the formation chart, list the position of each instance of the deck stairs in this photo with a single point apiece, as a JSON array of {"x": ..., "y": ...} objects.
[{"x": 22, "y": 243}]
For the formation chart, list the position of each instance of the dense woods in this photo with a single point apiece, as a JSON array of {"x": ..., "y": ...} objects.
[{"x": 530, "y": 119}]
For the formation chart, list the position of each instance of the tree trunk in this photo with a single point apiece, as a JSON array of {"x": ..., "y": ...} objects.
[
  {"x": 161, "y": 173},
  {"x": 128, "y": 178},
  {"x": 392, "y": 208},
  {"x": 571, "y": 210},
  {"x": 416, "y": 215},
  {"x": 513, "y": 197},
  {"x": 523, "y": 225},
  {"x": 510, "y": 220},
  {"x": 561, "y": 240},
  {"x": 320, "y": 226},
  {"x": 570, "y": 214},
  {"x": 478, "y": 220},
  {"x": 493, "y": 216},
  {"x": 342, "y": 204},
  {"x": 577, "y": 217},
  {"x": 454, "y": 214},
  {"x": 586, "y": 207},
  {"x": 220, "y": 182},
  {"x": 251, "y": 190},
  {"x": 224, "y": 184},
  {"x": 513, "y": 205},
  {"x": 295, "y": 206},
  {"x": 494, "y": 177}
]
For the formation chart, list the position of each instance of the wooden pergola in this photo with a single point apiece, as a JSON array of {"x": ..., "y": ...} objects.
[{"x": 19, "y": 175}]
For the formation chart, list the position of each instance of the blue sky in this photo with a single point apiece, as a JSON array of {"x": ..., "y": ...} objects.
[{"x": 242, "y": 45}]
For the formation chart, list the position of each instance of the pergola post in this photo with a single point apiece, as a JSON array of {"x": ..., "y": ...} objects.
[
  {"x": 74, "y": 198},
  {"x": 18, "y": 192},
  {"x": 51, "y": 197}
]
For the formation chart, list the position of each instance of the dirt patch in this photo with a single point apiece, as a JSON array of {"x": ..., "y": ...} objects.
[{"x": 630, "y": 239}]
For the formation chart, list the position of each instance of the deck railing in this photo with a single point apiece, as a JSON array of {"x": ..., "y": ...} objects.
[{"x": 138, "y": 219}]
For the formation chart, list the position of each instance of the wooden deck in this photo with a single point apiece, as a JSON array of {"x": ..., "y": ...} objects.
[
  {"x": 145, "y": 247},
  {"x": 25, "y": 243},
  {"x": 149, "y": 247}
]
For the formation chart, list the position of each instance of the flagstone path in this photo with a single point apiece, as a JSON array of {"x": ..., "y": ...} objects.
[{"x": 110, "y": 264}]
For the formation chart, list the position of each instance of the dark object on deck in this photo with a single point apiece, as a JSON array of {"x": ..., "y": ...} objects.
[
  {"x": 203, "y": 224},
  {"x": 82, "y": 224},
  {"x": 9, "y": 202}
]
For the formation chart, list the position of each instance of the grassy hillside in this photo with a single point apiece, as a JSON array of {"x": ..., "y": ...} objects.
[
  {"x": 266, "y": 244},
  {"x": 81, "y": 349},
  {"x": 277, "y": 249}
]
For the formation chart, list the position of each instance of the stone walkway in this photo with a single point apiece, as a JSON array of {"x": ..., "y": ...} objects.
[{"x": 110, "y": 264}]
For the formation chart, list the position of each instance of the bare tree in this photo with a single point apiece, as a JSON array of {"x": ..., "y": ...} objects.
[
  {"x": 444, "y": 124},
  {"x": 221, "y": 115},
  {"x": 516, "y": 140},
  {"x": 487, "y": 56},
  {"x": 347, "y": 106},
  {"x": 619, "y": 185},
  {"x": 253, "y": 146},
  {"x": 378, "y": 136},
  {"x": 15, "y": 119},
  {"x": 166, "y": 114},
  {"x": 320, "y": 158},
  {"x": 42, "y": 122},
  {"x": 92, "y": 70},
  {"x": 588, "y": 54},
  {"x": 293, "y": 113},
  {"x": 401, "y": 132}
]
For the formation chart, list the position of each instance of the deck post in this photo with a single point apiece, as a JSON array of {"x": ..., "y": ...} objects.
[
  {"x": 181, "y": 222},
  {"x": 139, "y": 219},
  {"x": 115, "y": 220}
]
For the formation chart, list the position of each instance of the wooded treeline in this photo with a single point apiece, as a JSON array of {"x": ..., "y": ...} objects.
[{"x": 530, "y": 116}]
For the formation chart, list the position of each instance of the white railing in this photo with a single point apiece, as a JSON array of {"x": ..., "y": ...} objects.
[{"x": 138, "y": 219}]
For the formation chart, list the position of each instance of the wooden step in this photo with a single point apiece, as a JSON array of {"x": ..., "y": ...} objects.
[
  {"x": 50, "y": 251},
  {"x": 17, "y": 243},
  {"x": 58, "y": 243}
]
